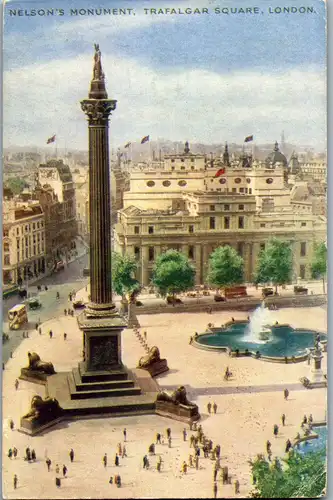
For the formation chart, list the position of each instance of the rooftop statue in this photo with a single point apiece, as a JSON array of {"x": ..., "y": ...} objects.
[{"x": 98, "y": 71}]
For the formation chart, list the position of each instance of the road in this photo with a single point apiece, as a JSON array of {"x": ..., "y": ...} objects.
[{"x": 71, "y": 278}]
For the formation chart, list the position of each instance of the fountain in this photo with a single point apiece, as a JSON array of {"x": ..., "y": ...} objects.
[{"x": 258, "y": 331}]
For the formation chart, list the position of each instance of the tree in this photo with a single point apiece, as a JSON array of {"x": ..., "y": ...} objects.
[
  {"x": 125, "y": 284},
  {"x": 17, "y": 185},
  {"x": 173, "y": 273},
  {"x": 225, "y": 267},
  {"x": 275, "y": 263},
  {"x": 319, "y": 263},
  {"x": 301, "y": 476}
]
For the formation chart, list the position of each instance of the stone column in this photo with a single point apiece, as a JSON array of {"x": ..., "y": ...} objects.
[
  {"x": 197, "y": 255},
  {"x": 205, "y": 256},
  {"x": 247, "y": 262},
  {"x": 144, "y": 265}
]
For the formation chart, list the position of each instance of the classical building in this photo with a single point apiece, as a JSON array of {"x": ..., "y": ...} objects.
[
  {"x": 58, "y": 176},
  {"x": 195, "y": 204},
  {"x": 23, "y": 241},
  {"x": 315, "y": 170}
]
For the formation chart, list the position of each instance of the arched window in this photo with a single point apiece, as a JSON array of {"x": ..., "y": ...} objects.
[{"x": 150, "y": 184}]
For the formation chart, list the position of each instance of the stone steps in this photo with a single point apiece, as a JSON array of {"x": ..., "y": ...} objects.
[
  {"x": 86, "y": 376},
  {"x": 93, "y": 392},
  {"x": 100, "y": 384}
]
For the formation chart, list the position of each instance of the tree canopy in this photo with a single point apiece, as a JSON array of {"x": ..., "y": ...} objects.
[
  {"x": 16, "y": 185},
  {"x": 319, "y": 262},
  {"x": 124, "y": 268},
  {"x": 275, "y": 263},
  {"x": 225, "y": 267},
  {"x": 300, "y": 476},
  {"x": 173, "y": 273}
]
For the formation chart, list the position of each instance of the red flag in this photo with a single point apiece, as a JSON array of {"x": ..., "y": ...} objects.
[
  {"x": 220, "y": 172},
  {"x": 249, "y": 138},
  {"x": 51, "y": 139}
]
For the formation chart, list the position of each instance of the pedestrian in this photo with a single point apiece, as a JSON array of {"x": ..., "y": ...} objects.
[
  {"x": 286, "y": 394},
  {"x": 197, "y": 462},
  {"x": 70, "y": 297},
  {"x": 158, "y": 438},
  {"x": 218, "y": 450},
  {"x": 305, "y": 420},
  {"x": 105, "y": 460},
  {"x": 10, "y": 453},
  {"x": 268, "y": 446},
  {"x": 50, "y": 334},
  {"x": 158, "y": 466},
  {"x": 11, "y": 424},
  {"x": 64, "y": 470},
  {"x": 36, "y": 326},
  {"x": 3, "y": 366},
  {"x": 309, "y": 358},
  {"x": 15, "y": 452},
  {"x": 48, "y": 463},
  {"x": 145, "y": 459},
  {"x": 190, "y": 460},
  {"x": 11, "y": 354},
  {"x": 33, "y": 455},
  {"x": 310, "y": 419},
  {"x": 215, "y": 489},
  {"x": 184, "y": 434},
  {"x": 124, "y": 454},
  {"x": 215, "y": 407},
  {"x": 169, "y": 442},
  {"x": 65, "y": 312},
  {"x": 117, "y": 480},
  {"x": 215, "y": 474},
  {"x": 168, "y": 432},
  {"x": 65, "y": 336},
  {"x": 283, "y": 419},
  {"x": 276, "y": 430},
  {"x": 125, "y": 434},
  {"x": 116, "y": 460},
  {"x": 71, "y": 455},
  {"x": 209, "y": 407},
  {"x": 58, "y": 482},
  {"x": 57, "y": 469},
  {"x": 40, "y": 331},
  {"x": 288, "y": 445},
  {"x": 145, "y": 335},
  {"x": 236, "y": 487},
  {"x": 111, "y": 480},
  {"x": 15, "y": 481},
  {"x": 16, "y": 384},
  {"x": 184, "y": 467}
]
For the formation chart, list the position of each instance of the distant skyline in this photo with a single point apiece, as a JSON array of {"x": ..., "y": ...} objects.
[{"x": 205, "y": 78}]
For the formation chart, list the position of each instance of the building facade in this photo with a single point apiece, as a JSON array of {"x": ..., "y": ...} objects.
[
  {"x": 187, "y": 206},
  {"x": 23, "y": 241}
]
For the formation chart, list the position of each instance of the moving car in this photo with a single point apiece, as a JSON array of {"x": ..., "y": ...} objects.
[
  {"x": 78, "y": 304},
  {"x": 34, "y": 304},
  {"x": 300, "y": 290},
  {"x": 17, "y": 316}
]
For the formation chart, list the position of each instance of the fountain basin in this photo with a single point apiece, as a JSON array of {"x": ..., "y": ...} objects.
[{"x": 284, "y": 341}]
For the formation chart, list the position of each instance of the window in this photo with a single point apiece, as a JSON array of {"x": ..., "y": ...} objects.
[
  {"x": 241, "y": 222},
  {"x": 269, "y": 180},
  {"x": 234, "y": 190},
  {"x": 211, "y": 222},
  {"x": 240, "y": 248},
  {"x": 250, "y": 190},
  {"x": 17, "y": 231},
  {"x": 6, "y": 260},
  {"x": 5, "y": 233},
  {"x": 182, "y": 183},
  {"x": 223, "y": 180},
  {"x": 192, "y": 159},
  {"x": 173, "y": 168},
  {"x": 262, "y": 224},
  {"x": 151, "y": 254},
  {"x": 241, "y": 190},
  {"x": 303, "y": 249},
  {"x": 191, "y": 229},
  {"x": 172, "y": 161},
  {"x": 33, "y": 226},
  {"x": 240, "y": 207},
  {"x": 6, "y": 247},
  {"x": 248, "y": 180},
  {"x": 268, "y": 205},
  {"x": 182, "y": 160},
  {"x": 18, "y": 243},
  {"x": 262, "y": 247},
  {"x": 136, "y": 229},
  {"x": 238, "y": 180},
  {"x": 226, "y": 222},
  {"x": 303, "y": 224},
  {"x": 182, "y": 167},
  {"x": 166, "y": 183},
  {"x": 26, "y": 229},
  {"x": 302, "y": 271},
  {"x": 192, "y": 167},
  {"x": 226, "y": 207},
  {"x": 150, "y": 229},
  {"x": 137, "y": 252},
  {"x": 150, "y": 184},
  {"x": 191, "y": 252},
  {"x": 212, "y": 208}
]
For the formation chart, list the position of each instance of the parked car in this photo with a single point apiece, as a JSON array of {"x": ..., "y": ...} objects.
[
  {"x": 219, "y": 298},
  {"x": 300, "y": 290},
  {"x": 86, "y": 271},
  {"x": 266, "y": 292},
  {"x": 173, "y": 300},
  {"x": 78, "y": 304}
]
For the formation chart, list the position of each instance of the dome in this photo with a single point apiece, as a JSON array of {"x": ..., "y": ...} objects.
[{"x": 276, "y": 157}]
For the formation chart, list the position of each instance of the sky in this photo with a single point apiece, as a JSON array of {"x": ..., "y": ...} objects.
[{"x": 205, "y": 78}]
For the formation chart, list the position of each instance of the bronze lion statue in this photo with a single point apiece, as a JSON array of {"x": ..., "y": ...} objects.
[
  {"x": 152, "y": 357},
  {"x": 177, "y": 397},
  {"x": 43, "y": 409},
  {"x": 36, "y": 364}
]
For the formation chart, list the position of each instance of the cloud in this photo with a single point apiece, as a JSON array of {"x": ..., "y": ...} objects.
[{"x": 43, "y": 99}]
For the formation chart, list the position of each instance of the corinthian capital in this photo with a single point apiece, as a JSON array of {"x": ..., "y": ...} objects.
[{"x": 97, "y": 110}]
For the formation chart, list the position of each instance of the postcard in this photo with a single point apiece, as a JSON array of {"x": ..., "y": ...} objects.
[{"x": 164, "y": 249}]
